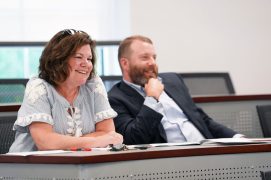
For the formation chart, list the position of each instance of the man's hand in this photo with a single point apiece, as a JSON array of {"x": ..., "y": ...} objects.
[{"x": 154, "y": 88}]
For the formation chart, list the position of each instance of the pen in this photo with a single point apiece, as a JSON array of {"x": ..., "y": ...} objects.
[{"x": 79, "y": 149}]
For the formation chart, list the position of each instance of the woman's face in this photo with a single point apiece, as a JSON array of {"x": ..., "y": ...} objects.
[{"x": 80, "y": 66}]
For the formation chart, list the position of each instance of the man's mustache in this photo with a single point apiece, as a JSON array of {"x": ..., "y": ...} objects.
[{"x": 153, "y": 70}]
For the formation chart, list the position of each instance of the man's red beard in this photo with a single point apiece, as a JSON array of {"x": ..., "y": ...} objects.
[{"x": 141, "y": 76}]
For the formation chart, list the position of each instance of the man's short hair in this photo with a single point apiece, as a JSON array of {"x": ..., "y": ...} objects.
[{"x": 124, "y": 47}]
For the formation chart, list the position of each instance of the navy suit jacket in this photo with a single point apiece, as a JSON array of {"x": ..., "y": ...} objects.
[{"x": 140, "y": 124}]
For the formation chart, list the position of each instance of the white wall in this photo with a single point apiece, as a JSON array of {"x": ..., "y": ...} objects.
[
  {"x": 210, "y": 35},
  {"x": 39, "y": 20}
]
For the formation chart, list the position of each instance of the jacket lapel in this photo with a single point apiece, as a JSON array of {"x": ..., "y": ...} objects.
[
  {"x": 132, "y": 93},
  {"x": 138, "y": 101}
]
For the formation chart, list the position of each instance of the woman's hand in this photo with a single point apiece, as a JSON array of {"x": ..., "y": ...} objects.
[
  {"x": 110, "y": 138},
  {"x": 105, "y": 134}
]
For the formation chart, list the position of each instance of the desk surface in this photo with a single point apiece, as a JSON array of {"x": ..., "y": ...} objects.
[
  {"x": 200, "y": 162},
  {"x": 88, "y": 157}
]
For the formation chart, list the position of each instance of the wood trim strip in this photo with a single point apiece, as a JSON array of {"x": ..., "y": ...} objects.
[
  {"x": 9, "y": 108},
  {"x": 203, "y": 99},
  {"x": 169, "y": 152},
  {"x": 207, "y": 99}
]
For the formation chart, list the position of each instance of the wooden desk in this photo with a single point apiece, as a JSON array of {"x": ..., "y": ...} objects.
[{"x": 202, "y": 162}]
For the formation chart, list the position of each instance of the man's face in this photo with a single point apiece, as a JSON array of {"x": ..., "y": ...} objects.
[{"x": 142, "y": 62}]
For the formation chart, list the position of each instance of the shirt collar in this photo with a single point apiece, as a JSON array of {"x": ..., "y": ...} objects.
[{"x": 137, "y": 87}]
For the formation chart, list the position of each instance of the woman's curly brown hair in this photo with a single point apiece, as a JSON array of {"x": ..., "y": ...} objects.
[{"x": 54, "y": 67}]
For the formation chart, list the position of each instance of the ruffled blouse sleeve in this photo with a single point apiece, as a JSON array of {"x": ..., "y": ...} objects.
[
  {"x": 35, "y": 106},
  {"x": 102, "y": 107}
]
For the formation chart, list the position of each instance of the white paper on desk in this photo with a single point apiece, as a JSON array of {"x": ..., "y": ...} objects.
[
  {"x": 230, "y": 141},
  {"x": 37, "y": 152},
  {"x": 267, "y": 140},
  {"x": 174, "y": 144},
  {"x": 101, "y": 149}
]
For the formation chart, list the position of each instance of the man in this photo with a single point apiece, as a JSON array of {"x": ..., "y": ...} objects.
[{"x": 156, "y": 109}]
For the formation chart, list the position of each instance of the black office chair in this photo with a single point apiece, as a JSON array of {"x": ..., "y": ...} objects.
[
  {"x": 264, "y": 112},
  {"x": 7, "y": 135},
  {"x": 110, "y": 81},
  {"x": 200, "y": 84},
  {"x": 266, "y": 175}
]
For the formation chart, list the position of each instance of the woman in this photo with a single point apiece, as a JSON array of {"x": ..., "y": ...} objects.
[{"x": 67, "y": 106}]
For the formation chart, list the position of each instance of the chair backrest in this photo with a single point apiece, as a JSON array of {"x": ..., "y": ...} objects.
[
  {"x": 266, "y": 175},
  {"x": 110, "y": 81},
  {"x": 264, "y": 112},
  {"x": 7, "y": 135},
  {"x": 236, "y": 112},
  {"x": 200, "y": 84}
]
